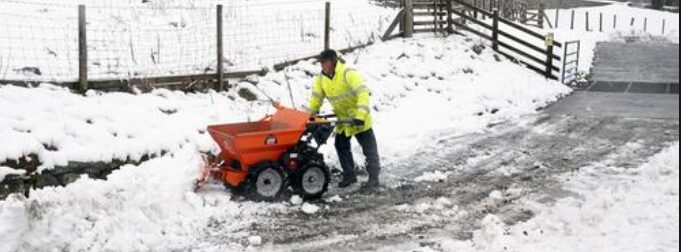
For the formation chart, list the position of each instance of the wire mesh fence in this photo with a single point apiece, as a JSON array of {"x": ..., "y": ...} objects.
[
  {"x": 138, "y": 45},
  {"x": 39, "y": 42}
]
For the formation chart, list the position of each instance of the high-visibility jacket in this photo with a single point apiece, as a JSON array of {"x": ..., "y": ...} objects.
[{"x": 348, "y": 96}]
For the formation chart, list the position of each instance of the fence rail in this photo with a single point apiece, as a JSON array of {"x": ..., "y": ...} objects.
[{"x": 525, "y": 51}]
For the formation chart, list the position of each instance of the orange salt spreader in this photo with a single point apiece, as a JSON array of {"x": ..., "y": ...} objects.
[{"x": 260, "y": 159}]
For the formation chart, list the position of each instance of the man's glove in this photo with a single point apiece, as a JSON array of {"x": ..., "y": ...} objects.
[{"x": 357, "y": 122}]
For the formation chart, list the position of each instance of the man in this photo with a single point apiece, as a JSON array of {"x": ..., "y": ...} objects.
[{"x": 349, "y": 97}]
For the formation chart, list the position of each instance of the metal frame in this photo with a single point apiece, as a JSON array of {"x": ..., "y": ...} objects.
[{"x": 569, "y": 72}]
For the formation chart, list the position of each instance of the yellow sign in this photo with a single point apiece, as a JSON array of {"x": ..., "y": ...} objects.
[{"x": 549, "y": 39}]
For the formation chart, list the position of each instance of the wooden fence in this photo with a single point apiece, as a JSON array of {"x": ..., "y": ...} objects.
[{"x": 528, "y": 12}]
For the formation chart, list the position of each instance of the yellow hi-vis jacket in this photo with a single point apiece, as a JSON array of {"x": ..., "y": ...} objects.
[{"x": 348, "y": 95}]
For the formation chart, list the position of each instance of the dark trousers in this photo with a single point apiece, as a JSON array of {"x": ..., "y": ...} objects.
[{"x": 367, "y": 141}]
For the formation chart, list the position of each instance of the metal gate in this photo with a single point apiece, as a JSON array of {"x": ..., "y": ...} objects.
[{"x": 570, "y": 70}]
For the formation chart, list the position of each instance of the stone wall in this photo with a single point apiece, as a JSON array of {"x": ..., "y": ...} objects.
[{"x": 58, "y": 176}]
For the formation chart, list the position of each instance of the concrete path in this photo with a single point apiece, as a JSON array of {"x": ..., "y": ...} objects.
[
  {"x": 630, "y": 81},
  {"x": 600, "y": 104},
  {"x": 636, "y": 63}
]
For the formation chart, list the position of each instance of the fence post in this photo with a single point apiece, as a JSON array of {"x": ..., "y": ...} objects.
[
  {"x": 441, "y": 11},
  {"x": 664, "y": 23},
  {"x": 483, "y": 6},
  {"x": 82, "y": 49},
  {"x": 450, "y": 20},
  {"x": 549, "y": 54},
  {"x": 408, "y": 19},
  {"x": 556, "y": 21},
  {"x": 645, "y": 24},
  {"x": 600, "y": 22},
  {"x": 475, "y": 11},
  {"x": 572, "y": 20},
  {"x": 403, "y": 18},
  {"x": 501, "y": 8},
  {"x": 565, "y": 48},
  {"x": 327, "y": 26},
  {"x": 542, "y": 14},
  {"x": 495, "y": 30},
  {"x": 220, "y": 52},
  {"x": 614, "y": 22},
  {"x": 435, "y": 2},
  {"x": 587, "y": 22}
]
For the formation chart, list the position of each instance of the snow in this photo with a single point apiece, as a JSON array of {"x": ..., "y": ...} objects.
[
  {"x": 615, "y": 209},
  {"x": 309, "y": 208},
  {"x": 333, "y": 199},
  {"x": 436, "y": 176},
  {"x": 255, "y": 240},
  {"x": 296, "y": 200},
  {"x": 496, "y": 195},
  {"x": 422, "y": 89},
  {"x": 139, "y": 208},
  {"x": 406, "y": 78},
  {"x": 106, "y": 127},
  {"x": 4, "y": 171},
  {"x": 444, "y": 202}
]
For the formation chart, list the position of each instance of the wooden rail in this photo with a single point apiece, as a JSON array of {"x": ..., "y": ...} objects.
[{"x": 521, "y": 52}]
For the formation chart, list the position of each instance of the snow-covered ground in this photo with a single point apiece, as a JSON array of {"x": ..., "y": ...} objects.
[
  {"x": 422, "y": 87},
  {"x": 137, "y": 38},
  {"x": 612, "y": 209},
  {"x": 612, "y": 30},
  {"x": 419, "y": 87}
]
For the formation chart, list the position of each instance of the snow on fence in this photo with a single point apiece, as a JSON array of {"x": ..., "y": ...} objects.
[{"x": 40, "y": 42}]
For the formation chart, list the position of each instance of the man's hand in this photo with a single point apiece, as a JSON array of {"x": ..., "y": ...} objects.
[{"x": 357, "y": 122}]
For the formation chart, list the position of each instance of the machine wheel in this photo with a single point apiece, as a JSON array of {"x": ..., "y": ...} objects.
[
  {"x": 312, "y": 181},
  {"x": 265, "y": 182}
]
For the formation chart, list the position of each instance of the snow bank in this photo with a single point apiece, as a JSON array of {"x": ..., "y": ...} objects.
[
  {"x": 616, "y": 210},
  {"x": 60, "y": 126},
  {"x": 420, "y": 87},
  {"x": 145, "y": 208}
]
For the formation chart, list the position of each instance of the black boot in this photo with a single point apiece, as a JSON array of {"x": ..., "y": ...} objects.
[
  {"x": 370, "y": 186},
  {"x": 347, "y": 182}
]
